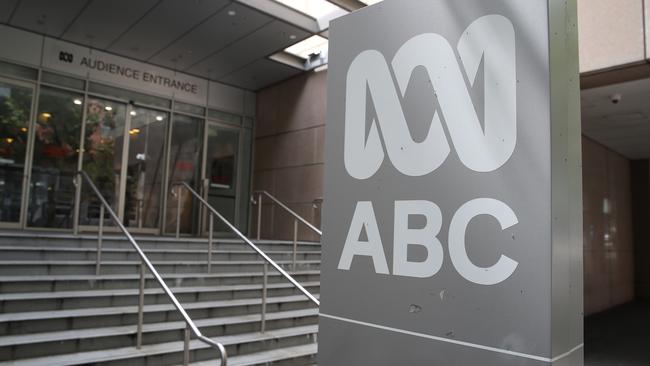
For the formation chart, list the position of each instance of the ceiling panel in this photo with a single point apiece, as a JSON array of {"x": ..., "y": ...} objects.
[
  {"x": 6, "y": 8},
  {"x": 162, "y": 25},
  {"x": 102, "y": 21},
  {"x": 259, "y": 74},
  {"x": 624, "y": 126},
  {"x": 212, "y": 35},
  {"x": 273, "y": 37},
  {"x": 46, "y": 16}
]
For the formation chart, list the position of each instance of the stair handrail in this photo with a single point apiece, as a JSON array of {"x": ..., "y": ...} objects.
[
  {"x": 232, "y": 228},
  {"x": 285, "y": 208},
  {"x": 190, "y": 325}
]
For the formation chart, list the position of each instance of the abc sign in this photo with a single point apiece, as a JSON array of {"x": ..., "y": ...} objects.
[{"x": 489, "y": 40}]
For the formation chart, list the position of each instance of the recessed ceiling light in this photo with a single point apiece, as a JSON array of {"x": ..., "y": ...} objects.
[
  {"x": 77, "y": 101},
  {"x": 159, "y": 118},
  {"x": 232, "y": 13},
  {"x": 133, "y": 113},
  {"x": 293, "y": 36},
  {"x": 108, "y": 108}
]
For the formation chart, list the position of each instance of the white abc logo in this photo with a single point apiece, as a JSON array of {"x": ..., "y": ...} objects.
[{"x": 490, "y": 39}]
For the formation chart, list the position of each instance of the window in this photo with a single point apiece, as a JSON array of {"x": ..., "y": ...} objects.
[{"x": 310, "y": 47}]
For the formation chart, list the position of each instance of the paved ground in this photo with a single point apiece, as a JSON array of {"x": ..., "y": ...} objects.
[{"x": 619, "y": 337}]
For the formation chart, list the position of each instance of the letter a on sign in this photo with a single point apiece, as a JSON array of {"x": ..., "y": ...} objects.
[{"x": 452, "y": 233}]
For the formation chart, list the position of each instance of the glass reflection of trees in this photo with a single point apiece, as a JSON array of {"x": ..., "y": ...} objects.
[
  {"x": 56, "y": 149},
  {"x": 102, "y": 159},
  {"x": 15, "y": 108}
]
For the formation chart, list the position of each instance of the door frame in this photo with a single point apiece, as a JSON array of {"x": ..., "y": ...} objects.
[
  {"x": 125, "y": 149},
  {"x": 203, "y": 214},
  {"x": 22, "y": 218}
]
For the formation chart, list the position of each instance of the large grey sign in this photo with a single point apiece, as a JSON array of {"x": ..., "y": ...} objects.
[{"x": 452, "y": 214}]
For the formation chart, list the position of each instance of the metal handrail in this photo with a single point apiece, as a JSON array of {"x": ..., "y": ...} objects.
[
  {"x": 284, "y": 207},
  {"x": 191, "y": 326},
  {"x": 232, "y": 228}
]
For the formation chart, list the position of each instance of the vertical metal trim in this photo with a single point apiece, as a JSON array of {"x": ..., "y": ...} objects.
[
  {"x": 82, "y": 148},
  {"x": 121, "y": 199},
  {"x": 29, "y": 154}
]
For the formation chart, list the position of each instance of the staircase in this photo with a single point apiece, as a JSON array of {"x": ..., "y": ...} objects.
[{"x": 54, "y": 309}]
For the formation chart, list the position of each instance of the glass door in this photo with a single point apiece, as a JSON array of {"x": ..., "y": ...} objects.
[
  {"x": 145, "y": 169},
  {"x": 184, "y": 166},
  {"x": 105, "y": 141},
  {"x": 15, "y": 114},
  {"x": 220, "y": 172},
  {"x": 55, "y": 159}
]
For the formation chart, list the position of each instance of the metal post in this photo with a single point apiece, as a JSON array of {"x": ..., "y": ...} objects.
[
  {"x": 295, "y": 244},
  {"x": 100, "y": 237},
  {"x": 140, "y": 307},
  {"x": 211, "y": 228},
  {"x": 178, "y": 212},
  {"x": 259, "y": 216},
  {"x": 264, "y": 290},
  {"x": 186, "y": 346}
]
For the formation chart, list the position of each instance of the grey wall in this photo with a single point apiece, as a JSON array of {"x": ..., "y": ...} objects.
[
  {"x": 608, "y": 238},
  {"x": 288, "y": 152},
  {"x": 641, "y": 221}
]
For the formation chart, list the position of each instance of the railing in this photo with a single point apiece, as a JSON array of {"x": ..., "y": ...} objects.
[
  {"x": 232, "y": 228},
  {"x": 296, "y": 218},
  {"x": 146, "y": 263}
]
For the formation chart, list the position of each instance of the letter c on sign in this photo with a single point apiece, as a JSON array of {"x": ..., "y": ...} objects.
[{"x": 505, "y": 266}]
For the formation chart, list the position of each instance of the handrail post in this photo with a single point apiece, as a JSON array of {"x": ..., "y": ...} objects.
[
  {"x": 140, "y": 307},
  {"x": 100, "y": 237},
  {"x": 295, "y": 244},
  {"x": 178, "y": 212},
  {"x": 186, "y": 346},
  {"x": 259, "y": 215},
  {"x": 264, "y": 294},
  {"x": 211, "y": 228}
]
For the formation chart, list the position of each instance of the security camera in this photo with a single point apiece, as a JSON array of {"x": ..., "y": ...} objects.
[{"x": 616, "y": 98}]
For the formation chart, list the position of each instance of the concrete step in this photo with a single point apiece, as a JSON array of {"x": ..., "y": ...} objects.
[
  {"x": 171, "y": 353},
  {"x": 14, "y": 252},
  {"x": 42, "y": 283},
  {"x": 50, "y": 267},
  {"x": 62, "y": 342},
  {"x": 62, "y": 300},
  {"x": 59, "y": 320},
  {"x": 296, "y": 355},
  {"x": 146, "y": 242}
]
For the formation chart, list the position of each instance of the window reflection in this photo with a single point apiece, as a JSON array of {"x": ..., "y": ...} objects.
[
  {"x": 56, "y": 149},
  {"x": 184, "y": 166},
  {"x": 102, "y": 158},
  {"x": 145, "y": 168},
  {"x": 15, "y": 108}
]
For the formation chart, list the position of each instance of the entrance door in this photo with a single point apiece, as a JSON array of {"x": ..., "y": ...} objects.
[
  {"x": 104, "y": 150},
  {"x": 15, "y": 114},
  {"x": 145, "y": 169},
  {"x": 220, "y": 172}
]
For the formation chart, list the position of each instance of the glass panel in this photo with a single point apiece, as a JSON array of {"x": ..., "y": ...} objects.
[
  {"x": 221, "y": 168},
  {"x": 102, "y": 159},
  {"x": 68, "y": 82},
  {"x": 224, "y": 117},
  {"x": 184, "y": 166},
  {"x": 18, "y": 71},
  {"x": 15, "y": 110},
  {"x": 129, "y": 95},
  {"x": 189, "y": 108},
  {"x": 56, "y": 149},
  {"x": 144, "y": 182}
]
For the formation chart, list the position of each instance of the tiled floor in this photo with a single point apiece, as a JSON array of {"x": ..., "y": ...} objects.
[{"x": 619, "y": 337}]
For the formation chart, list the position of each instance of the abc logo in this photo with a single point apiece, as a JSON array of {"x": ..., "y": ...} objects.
[
  {"x": 489, "y": 39},
  {"x": 66, "y": 57}
]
